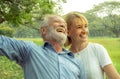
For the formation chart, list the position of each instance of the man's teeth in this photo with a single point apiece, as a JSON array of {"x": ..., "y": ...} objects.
[{"x": 60, "y": 30}]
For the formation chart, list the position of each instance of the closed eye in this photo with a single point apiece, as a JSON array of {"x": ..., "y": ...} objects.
[{"x": 78, "y": 27}]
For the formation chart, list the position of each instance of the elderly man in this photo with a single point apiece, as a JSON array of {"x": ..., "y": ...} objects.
[{"x": 49, "y": 61}]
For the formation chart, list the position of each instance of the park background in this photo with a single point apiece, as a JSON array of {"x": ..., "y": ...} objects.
[{"x": 21, "y": 20}]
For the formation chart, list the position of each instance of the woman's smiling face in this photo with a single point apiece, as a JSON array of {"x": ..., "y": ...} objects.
[{"x": 78, "y": 30}]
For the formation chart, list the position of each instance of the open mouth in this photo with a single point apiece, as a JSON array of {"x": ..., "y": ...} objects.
[
  {"x": 60, "y": 30},
  {"x": 83, "y": 36}
]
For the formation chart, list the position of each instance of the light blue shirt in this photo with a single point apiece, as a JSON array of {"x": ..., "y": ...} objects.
[{"x": 42, "y": 62}]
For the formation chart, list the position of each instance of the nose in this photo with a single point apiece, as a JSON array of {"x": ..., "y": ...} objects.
[
  {"x": 62, "y": 26},
  {"x": 84, "y": 30}
]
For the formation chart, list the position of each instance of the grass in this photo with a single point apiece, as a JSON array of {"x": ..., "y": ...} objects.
[{"x": 10, "y": 70}]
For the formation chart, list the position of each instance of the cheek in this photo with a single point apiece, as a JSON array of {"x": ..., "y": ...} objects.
[
  {"x": 74, "y": 33},
  {"x": 87, "y": 31}
]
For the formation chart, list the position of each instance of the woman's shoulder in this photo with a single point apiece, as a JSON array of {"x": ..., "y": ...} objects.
[{"x": 97, "y": 45}]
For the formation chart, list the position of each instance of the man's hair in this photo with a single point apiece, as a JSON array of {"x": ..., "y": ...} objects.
[{"x": 48, "y": 19}]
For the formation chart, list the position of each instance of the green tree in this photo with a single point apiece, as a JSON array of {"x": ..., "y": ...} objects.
[
  {"x": 105, "y": 9},
  {"x": 21, "y": 11},
  {"x": 109, "y": 12},
  {"x": 94, "y": 25},
  {"x": 112, "y": 24}
]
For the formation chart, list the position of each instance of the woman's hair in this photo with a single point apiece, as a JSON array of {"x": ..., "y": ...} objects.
[
  {"x": 69, "y": 20},
  {"x": 71, "y": 16}
]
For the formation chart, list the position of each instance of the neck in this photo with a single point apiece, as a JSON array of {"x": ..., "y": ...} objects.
[
  {"x": 57, "y": 46},
  {"x": 77, "y": 47}
]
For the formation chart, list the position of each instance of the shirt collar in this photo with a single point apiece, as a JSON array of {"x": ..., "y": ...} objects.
[
  {"x": 69, "y": 53},
  {"x": 47, "y": 44}
]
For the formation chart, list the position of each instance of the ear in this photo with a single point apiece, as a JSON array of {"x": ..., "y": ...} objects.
[
  {"x": 68, "y": 33},
  {"x": 43, "y": 30}
]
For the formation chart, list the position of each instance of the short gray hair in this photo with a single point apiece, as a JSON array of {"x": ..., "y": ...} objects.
[{"x": 49, "y": 19}]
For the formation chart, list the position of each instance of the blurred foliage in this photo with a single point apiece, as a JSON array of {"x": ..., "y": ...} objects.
[
  {"x": 22, "y": 11},
  {"x": 26, "y": 32},
  {"x": 7, "y": 31},
  {"x": 104, "y": 19}
]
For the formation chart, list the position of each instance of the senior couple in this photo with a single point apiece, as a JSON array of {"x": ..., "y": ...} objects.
[{"x": 51, "y": 61}]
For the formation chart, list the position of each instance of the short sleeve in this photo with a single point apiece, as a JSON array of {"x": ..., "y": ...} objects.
[{"x": 102, "y": 54}]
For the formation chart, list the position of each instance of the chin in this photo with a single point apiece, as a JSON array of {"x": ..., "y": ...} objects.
[{"x": 84, "y": 40}]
